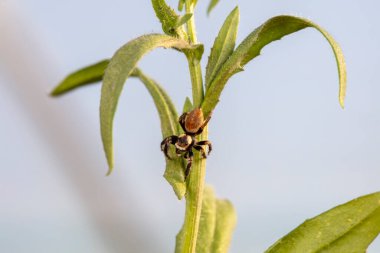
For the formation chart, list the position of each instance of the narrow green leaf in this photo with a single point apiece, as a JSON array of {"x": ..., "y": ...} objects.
[
  {"x": 181, "y": 3},
  {"x": 211, "y": 6},
  {"x": 274, "y": 29},
  {"x": 347, "y": 228},
  {"x": 118, "y": 70},
  {"x": 87, "y": 75},
  {"x": 224, "y": 45},
  {"x": 188, "y": 106},
  {"x": 166, "y": 110},
  {"x": 183, "y": 19},
  {"x": 174, "y": 172},
  {"x": 207, "y": 222},
  {"x": 171, "y": 22},
  {"x": 225, "y": 224}
]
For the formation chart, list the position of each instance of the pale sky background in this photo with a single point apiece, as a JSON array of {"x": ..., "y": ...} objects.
[{"x": 284, "y": 150}]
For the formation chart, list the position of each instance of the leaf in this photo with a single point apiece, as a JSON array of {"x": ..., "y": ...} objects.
[
  {"x": 174, "y": 172},
  {"x": 211, "y": 6},
  {"x": 179, "y": 241},
  {"x": 224, "y": 45},
  {"x": 207, "y": 221},
  {"x": 181, "y": 3},
  {"x": 171, "y": 22},
  {"x": 87, "y": 75},
  {"x": 120, "y": 67},
  {"x": 183, "y": 19},
  {"x": 347, "y": 228},
  {"x": 274, "y": 29},
  {"x": 188, "y": 106},
  {"x": 225, "y": 224},
  {"x": 216, "y": 225}
]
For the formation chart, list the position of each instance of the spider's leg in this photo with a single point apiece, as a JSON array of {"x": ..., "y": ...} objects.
[
  {"x": 189, "y": 157},
  {"x": 179, "y": 152},
  {"x": 181, "y": 121},
  {"x": 166, "y": 142},
  {"x": 200, "y": 149},
  {"x": 200, "y": 130},
  {"x": 202, "y": 143}
]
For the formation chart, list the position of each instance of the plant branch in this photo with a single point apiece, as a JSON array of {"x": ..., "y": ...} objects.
[{"x": 196, "y": 182}]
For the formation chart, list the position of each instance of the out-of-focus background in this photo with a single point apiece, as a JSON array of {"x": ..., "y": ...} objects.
[{"x": 284, "y": 150}]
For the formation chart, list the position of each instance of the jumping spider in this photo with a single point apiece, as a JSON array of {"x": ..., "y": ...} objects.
[{"x": 192, "y": 124}]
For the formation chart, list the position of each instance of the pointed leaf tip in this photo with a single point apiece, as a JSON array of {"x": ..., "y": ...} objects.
[
  {"x": 224, "y": 45},
  {"x": 84, "y": 76},
  {"x": 211, "y": 6}
]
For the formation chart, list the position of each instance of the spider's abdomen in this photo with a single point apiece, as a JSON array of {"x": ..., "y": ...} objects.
[
  {"x": 183, "y": 142},
  {"x": 194, "y": 120}
]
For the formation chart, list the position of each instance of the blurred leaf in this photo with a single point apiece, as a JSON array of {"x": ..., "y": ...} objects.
[
  {"x": 211, "y": 6},
  {"x": 171, "y": 22},
  {"x": 181, "y": 3},
  {"x": 188, "y": 106},
  {"x": 224, "y": 45},
  {"x": 225, "y": 224},
  {"x": 274, "y": 29},
  {"x": 347, "y": 228},
  {"x": 120, "y": 67},
  {"x": 87, "y": 75},
  {"x": 179, "y": 241},
  {"x": 183, "y": 19},
  {"x": 216, "y": 225}
]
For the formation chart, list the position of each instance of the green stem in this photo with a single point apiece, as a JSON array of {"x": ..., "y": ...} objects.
[
  {"x": 196, "y": 80},
  {"x": 194, "y": 196},
  {"x": 194, "y": 64},
  {"x": 196, "y": 181}
]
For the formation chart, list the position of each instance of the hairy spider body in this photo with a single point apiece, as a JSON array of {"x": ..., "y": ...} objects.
[{"x": 192, "y": 124}]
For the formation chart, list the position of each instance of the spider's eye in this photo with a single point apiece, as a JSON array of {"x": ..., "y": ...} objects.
[{"x": 184, "y": 140}]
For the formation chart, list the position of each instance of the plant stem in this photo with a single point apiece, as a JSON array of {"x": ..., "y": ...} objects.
[
  {"x": 196, "y": 181},
  {"x": 194, "y": 196},
  {"x": 194, "y": 65}
]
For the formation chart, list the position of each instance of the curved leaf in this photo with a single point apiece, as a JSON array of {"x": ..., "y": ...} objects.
[
  {"x": 87, "y": 75},
  {"x": 274, "y": 29},
  {"x": 347, "y": 228},
  {"x": 211, "y": 6},
  {"x": 174, "y": 172},
  {"x": 224, "y": 45},
  {"x": 120, "y": 67}
]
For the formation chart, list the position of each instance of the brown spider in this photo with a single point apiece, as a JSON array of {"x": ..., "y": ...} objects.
[{"x": 192, "y": 124}]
